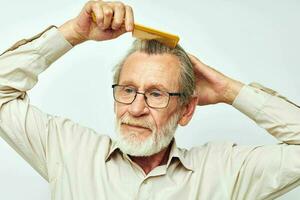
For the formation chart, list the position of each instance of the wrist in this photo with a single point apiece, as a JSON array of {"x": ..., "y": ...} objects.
[
  {"x": 232, "y": 91},
  {"x": 67, "y": 30}
]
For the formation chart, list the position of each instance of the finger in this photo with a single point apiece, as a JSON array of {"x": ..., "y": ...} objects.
[
  {"x": 129, "y": 18},
  {"x": 108, "y": 15},
  {"x": 201, "y": 69},
  {"x": 118, "y": 18},
  {"x": 87, "y": 10},
  {"x": 98, "y": 14},
  {"x": 194, "y": 59},
  {"x": 196, "y": 64},
  {"x": 200, "y": 66},
  {"x": 118, "y": 32}
]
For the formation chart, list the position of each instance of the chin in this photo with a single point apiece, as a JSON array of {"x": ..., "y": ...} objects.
[
  {"x": 133, "y": 145},
  {"x": 137, "y": 142}
]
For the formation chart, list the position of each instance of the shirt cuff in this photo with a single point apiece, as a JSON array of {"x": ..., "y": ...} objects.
[
  {"x": 52, "y": 45},
  {"x": 250, "y": 101}
]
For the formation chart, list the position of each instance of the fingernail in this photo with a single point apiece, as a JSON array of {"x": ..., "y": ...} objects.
[{"x": 129, "y": 28}]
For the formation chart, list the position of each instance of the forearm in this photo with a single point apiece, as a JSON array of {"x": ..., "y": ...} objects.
[
  {"x": 279, "y": 117},
  {"x": 232, "y": 92},
  {"x": 68, "y": 32},
  {"x": 21, "y": 66}
]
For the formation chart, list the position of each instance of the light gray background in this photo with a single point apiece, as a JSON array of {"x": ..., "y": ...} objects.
[{"x": 254, "y": 40}]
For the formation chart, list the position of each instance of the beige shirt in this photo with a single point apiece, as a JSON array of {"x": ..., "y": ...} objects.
[{"x": 80, "y": 164}]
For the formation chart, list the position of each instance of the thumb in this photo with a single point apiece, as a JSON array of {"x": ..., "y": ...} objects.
[{"x": 200, "y": 68}]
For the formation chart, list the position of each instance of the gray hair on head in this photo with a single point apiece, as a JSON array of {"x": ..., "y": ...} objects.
[{"x": 187, "y": 77}]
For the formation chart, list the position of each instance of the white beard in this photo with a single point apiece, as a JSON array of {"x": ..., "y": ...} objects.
[{"x": 131, "y": 144}]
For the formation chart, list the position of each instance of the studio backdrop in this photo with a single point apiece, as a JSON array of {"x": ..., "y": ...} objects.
[{"x": 246, "y": 40}]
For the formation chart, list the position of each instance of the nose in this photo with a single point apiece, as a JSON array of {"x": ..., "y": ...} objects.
[{"x": 138, "y": 107}]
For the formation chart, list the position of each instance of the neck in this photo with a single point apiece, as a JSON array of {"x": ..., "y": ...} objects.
[{"x": 150, "y": 162}]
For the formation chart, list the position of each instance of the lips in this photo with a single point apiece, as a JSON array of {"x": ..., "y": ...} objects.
[{"x": 134, "y": 126}]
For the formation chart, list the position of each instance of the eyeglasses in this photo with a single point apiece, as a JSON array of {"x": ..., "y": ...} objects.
[{"x": 154, "y": 98}]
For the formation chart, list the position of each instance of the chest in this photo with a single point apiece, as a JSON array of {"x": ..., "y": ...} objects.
[{"x": 119, "y": 179}]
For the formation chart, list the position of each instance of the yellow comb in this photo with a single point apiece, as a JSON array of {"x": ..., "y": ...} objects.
[
  {"x": 147, "y": 33},
  {"x": 143, "y": 32}
]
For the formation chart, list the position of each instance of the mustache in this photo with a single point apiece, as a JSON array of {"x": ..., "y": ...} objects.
[{"x": 142, "y": 122}]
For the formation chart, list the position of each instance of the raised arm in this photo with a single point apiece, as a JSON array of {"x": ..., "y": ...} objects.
[
  {"x": 259, "y": 172},
  {"x": 35, "y": 135}
]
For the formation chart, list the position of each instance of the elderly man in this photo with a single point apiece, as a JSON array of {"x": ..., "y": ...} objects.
[{"x": 155, "y": 89}]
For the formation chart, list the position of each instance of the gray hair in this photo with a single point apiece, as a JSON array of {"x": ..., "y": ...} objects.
[{"x": 187, "y": 77}]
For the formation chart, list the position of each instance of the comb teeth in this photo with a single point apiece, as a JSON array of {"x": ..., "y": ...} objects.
[{"x": 143, "y": 32}]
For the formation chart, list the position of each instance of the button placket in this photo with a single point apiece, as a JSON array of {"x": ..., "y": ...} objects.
[{"x": 145, "y": 189}]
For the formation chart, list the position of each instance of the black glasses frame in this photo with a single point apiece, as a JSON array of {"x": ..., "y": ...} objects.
[{"x": 137, "y": 92}]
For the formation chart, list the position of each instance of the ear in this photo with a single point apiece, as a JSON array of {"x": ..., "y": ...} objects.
[{"x": 188, "y": 111}]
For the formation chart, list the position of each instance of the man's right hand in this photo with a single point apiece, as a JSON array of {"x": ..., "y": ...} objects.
[{"x": 112, "y": 20}]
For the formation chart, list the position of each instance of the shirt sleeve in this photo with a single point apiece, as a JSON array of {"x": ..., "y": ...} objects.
[
  {"x": 268, "y": 171},
  {"x": 24, "y": 127}
]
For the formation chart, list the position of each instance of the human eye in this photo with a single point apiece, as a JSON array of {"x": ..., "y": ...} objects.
[
  {"x": 128, "y": 90},
  {"x": 156, "y": 93}
]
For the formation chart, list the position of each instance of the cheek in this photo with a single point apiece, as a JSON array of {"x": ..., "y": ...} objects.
[
  {"x": 159, "y": 119},
  {"x": 120, "y": 110},
  {"x": 162, "y": 119},
  {"x": 160, "y": 123}
]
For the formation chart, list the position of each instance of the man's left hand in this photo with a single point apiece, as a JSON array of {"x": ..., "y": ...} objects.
[{"x": 212, "y": 86}]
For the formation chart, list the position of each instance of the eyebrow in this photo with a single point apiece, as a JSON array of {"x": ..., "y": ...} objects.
[{"x": 152, "y": 85}]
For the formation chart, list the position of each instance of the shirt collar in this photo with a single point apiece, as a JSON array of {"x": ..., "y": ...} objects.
[
  {"x": 112, "y": 149},
  {"x": 175, "y": 152},
  {"x": 179, "y": 153}
]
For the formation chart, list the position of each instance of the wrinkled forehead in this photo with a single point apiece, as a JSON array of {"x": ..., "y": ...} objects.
[{"x": 145, "y": 71}]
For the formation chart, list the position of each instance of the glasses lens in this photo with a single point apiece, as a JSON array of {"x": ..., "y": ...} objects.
[
  {"x": 124, "y": 94},
  {"x": 157, "y": 98}
]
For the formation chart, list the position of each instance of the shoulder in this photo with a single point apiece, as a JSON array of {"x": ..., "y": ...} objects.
[
  {"x": 218, "y": 152},
  {"x": 73, "y": 137}
]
